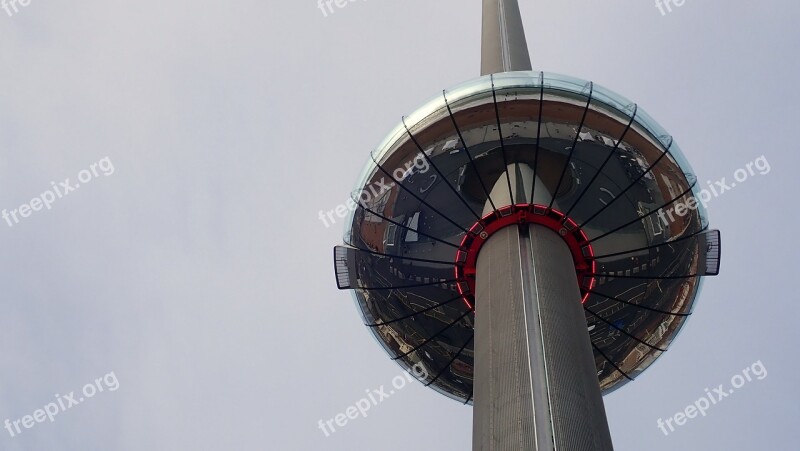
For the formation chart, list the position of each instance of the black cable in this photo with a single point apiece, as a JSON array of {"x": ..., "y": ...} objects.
[
  {"x": 469, "y": 155},
  {"x": 572, "y": 148},
  {"x": 436, "y": 168}
]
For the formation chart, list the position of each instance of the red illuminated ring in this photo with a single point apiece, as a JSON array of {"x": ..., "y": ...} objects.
[{"x": 566, "y": 228}]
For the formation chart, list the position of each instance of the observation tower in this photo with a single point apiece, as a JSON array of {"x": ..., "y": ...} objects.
[{"x": 533, "y": 241}]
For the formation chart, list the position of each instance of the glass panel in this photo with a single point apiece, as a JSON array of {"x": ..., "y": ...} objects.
[
  {"x": 396, "y": 136},
  {"x": 519, "y": 79},
  {"x": 613, "y": 100},
  {"x": 469, "y": 89},
  {"x": 678, "y": 155},
  {"x": 658, "y": 132},
  {"x": 566, "y": 83}
]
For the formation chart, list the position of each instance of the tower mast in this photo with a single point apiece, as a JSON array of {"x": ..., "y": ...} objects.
[
  {"x": 503, "y": 44},
  {"x": 536, "y": 385}
]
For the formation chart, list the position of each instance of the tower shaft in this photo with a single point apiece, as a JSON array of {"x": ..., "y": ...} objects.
[
  {"x": 503, "y": 44},
  {"x": 536, "y": 384}
]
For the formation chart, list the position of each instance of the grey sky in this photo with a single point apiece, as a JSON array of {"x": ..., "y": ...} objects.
[{"x": 200, "y": 274}]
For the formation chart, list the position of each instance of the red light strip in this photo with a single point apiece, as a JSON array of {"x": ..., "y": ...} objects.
[{"x": 480, "y": 232}]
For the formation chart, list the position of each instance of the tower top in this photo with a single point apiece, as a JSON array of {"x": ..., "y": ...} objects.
[{"x": 503, "y": 44}]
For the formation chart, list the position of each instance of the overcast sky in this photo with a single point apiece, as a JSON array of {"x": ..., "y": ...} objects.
[{"x": 197, "y": 275}]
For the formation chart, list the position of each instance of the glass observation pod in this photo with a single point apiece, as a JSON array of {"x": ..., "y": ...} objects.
[{"x": 604, "y": 175}]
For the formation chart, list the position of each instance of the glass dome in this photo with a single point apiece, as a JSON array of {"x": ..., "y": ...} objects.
[{"x": 601, "y": 163}]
